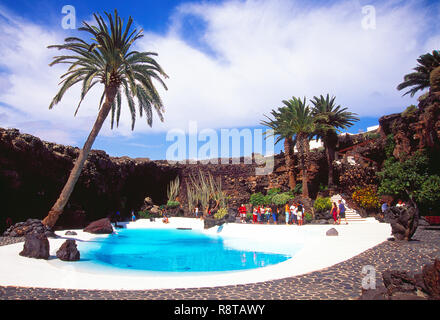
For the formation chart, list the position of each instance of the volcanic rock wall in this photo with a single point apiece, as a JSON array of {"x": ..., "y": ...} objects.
[
  {"x": 415, "y": 128},
  {"x": 33, "y": 172}
]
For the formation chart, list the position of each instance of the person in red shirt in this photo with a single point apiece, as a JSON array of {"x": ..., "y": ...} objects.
[{"x": 242, "y": 211}]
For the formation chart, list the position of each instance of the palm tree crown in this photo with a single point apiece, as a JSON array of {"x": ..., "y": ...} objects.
[
  {"x": 109, "y": 61},
  {"x": 329, "y": 119},
  {"x": 420, "y": 79}
]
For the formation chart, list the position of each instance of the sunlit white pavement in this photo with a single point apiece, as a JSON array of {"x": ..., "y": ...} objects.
[{"x": 318, "y": 252}]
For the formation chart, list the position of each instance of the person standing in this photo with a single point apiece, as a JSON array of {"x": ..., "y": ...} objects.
[
  {"x": 384, "y": 207},
  {"x": 242, "y": 211},
  {"x": 262, "y": 214},
  {"x": 254, "y": 215},
  {"x": 299, "y": 214},
  {"x": 334, "y": 213},
  {"x": 293, "y": 210},
  {"x": 196, "y": 211},
  {"x": 274, "y": 215},
  {"x": 133, "y": 216},
  {"x": 267, "y": 214},
  {"x": 341, "y": 212},
  {"x": 286, "y": 212}
]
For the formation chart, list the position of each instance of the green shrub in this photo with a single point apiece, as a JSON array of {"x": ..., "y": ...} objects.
[
  {"x": 308, "y": 217},
  {"x": 322, "y": 204},
  {"x": 273, "y": 191},
  {"x": 410, "y": 111},
  {"x": 173, "y": 204},
  {"x": 298, "y": 189},
  {"x": 257, "y": 199},
  {"x": 282, "y": 198},
  {"x": 367, "y": 197},
  {"x": 413, "y": 178},
  {"x": 220, "y": 213},
  {"x": 145, "y": 214}
]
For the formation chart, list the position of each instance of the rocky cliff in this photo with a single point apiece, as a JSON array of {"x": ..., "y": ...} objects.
[{"x": 33, "y": 172}]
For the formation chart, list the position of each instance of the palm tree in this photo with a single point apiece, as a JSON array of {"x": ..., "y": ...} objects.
[
  {"x": 329, "y": 118},
  {"x": 421, "y": 78},
  {"x": 107, "y": 60},
  {"x": 280, "y": 124},
  {"x": 304, "y": 127}
]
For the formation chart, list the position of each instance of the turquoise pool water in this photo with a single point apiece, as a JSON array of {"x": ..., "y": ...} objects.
[{"x": 172, "y": 250}]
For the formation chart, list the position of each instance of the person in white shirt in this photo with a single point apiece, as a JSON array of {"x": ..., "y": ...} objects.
[
  {"x": 299, "y": 214},
  {"x": 293, "y": 211}
]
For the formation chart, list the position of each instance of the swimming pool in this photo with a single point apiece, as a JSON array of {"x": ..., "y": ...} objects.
[{"x": 173, "y": 250}]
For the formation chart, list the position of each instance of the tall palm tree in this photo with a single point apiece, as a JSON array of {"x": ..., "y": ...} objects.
[
  {"x": 281, "y": 126},
  {"x": 329, "y": 118},
  {"x": 304, "y": 128},
  {"x": 420, "y": 79},
  {"x": 108, "y": 60}
]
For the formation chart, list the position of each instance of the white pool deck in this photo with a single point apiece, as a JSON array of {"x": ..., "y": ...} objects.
[{"x": 318, "y": 252}]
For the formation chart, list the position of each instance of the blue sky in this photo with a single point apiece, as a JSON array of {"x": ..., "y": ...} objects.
[{"x": 229, "y": 62}]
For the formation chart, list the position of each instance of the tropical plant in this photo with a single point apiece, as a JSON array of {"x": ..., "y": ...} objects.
[
  {"x": 107, "y": 60},
  {"x": 411, "y": 179},
  {"x": 421, "y": 78},
  {"x": 303, "y": 125},
  {"x": 221, "y": 213},
  {"x": 173, "y": 189},
  {"x": 204, "y": 189},
  {"x": 322, "y": 204},
  {"x": 145, "y": 214},
  {"x": 282, "y": 198},
  {"x": 173, "y": 204},
  {"x": 280, "y": 124},
  {"x": 410, "y": 111},
  {"x": 257, "y": 199},
  {"x": 329, "y": 119},
  {"x": 367, "y": 197}
]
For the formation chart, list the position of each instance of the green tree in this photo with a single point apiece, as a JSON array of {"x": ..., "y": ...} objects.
[
  {"x": 304, "y": 128},
  {"x": 107, "y": 60},
  {"x": 411, "y": 179},
  {"x": 330, "y": 118},
  {"x": 280, "y": 124},
  {"x": 421, "y": 79}
]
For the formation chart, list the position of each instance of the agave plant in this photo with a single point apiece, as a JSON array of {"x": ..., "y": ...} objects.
[
  {"x": 421, "y": 78},
  {"x": 107, "y": 59},
  {"x": 204, "y": 189},
  {"x": 173, "y": 189}
]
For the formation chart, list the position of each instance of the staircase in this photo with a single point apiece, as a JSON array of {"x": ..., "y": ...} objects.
[{"x": 351, "y": 214}]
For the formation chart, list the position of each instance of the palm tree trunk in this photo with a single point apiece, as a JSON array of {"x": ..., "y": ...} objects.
[
  {"x": 62, "y": 200},
  {"x": 288, "y": 154},
  {"x": 330, "y": 155},
  {"x": 304, "y": 149}
]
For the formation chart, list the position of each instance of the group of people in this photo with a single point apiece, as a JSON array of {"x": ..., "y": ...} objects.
[
  {"x": 294, "y": 214},
  {"x": 338, "y": 212},
  {"x": 262, "y": 214}
]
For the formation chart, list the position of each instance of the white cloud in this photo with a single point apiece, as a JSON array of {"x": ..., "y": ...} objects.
[{"x": 263, "y": 52}]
